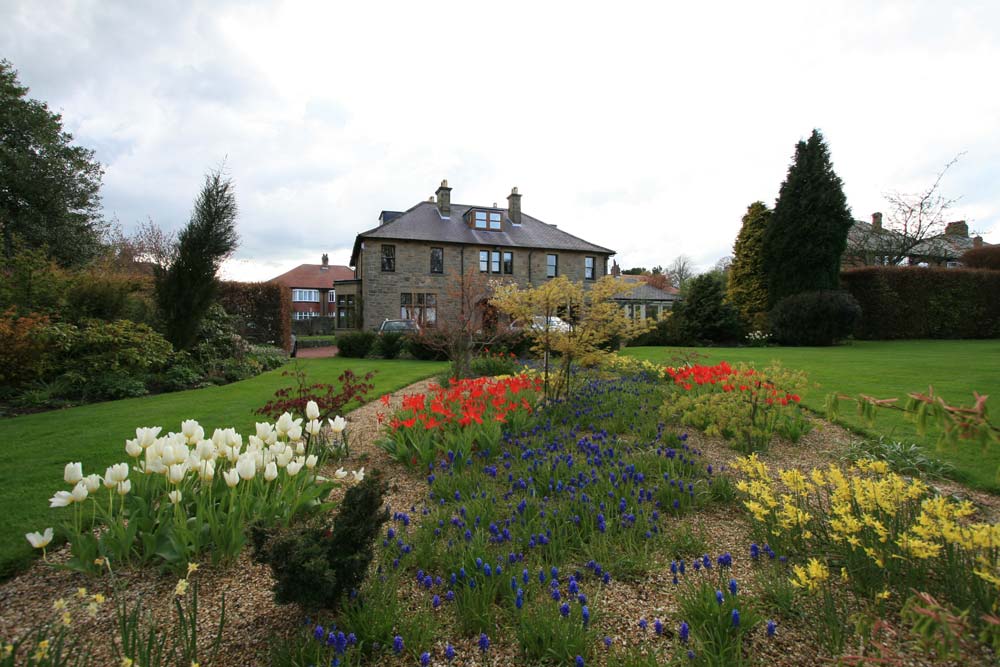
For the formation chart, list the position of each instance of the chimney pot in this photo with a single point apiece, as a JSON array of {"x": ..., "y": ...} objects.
[
  {"x": 514, "y": 206},
  {"x": 444, "y": 199},
  {"x": 326, "y": 259},
  {"x": 958, "y": 228},
  {"x": 877, "y": 220},
  {"x": 977, "y": 242}
]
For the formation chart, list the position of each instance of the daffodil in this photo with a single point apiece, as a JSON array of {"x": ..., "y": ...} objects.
[{"x": 181, "y": 587}]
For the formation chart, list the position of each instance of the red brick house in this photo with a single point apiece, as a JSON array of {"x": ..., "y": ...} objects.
[{"x": 312, "y": 289}]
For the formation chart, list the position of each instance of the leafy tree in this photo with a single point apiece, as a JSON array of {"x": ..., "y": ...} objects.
[
  {"x": 49, "y": 188},
  {"x": 808, "y": 230},
  {"x": 187, "y": 286},
  {"x": 704, "y": 315},
  {"x": 634, "y": 271},
  {"x": 747, "y": 276}
]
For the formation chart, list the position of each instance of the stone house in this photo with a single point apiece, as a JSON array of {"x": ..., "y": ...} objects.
[
  {"x": 871, "y": 244},
  {"x": 410, "y": 265},
  {"x": 312, "y": 289}
]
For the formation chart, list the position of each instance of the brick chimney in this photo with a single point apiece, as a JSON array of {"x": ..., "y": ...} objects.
[
  {"x": 957, "y": 229},
  {"x": 514, "y": 206},
  {"x": 444, "y": 199},
  {"x": 977, "y": 241},
  {"x": 326, "y": 263},
  {"x": 877, "y": 220},
  {"x": 616, "y": 270}
]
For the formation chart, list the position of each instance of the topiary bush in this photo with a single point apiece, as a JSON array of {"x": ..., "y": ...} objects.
[
  {"x": 355, "y": 345},
  {"x": 823, "y": 317},
  {"x": 316, "y": 565}
]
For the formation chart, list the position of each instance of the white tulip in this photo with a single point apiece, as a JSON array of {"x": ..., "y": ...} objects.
[
  {"x": 117, "y": 472},
  {"x": 359, "y": 475},
  {"x": 284, "y": 423},
  {"x": 192, "y": 430},
  {"x": 293, "y": 468},
  {"x": 147, "y": 436},
  {"x": 133, "y": 448},
  {"x": 270, "y": 472},
  {"x": 340, "y": 473},
  {"x": 206, "y": 471},
  {"x": 233, "y": 439},
  {"x": 175, "y": 496},
  {"x": 205, "y": 450},
  {"x": 80, "y": 492},
  {"x": 233, "y": 453},
  {"x": 313, "y": 427},
  {"x": 124, "y": 487},
  {"x": 311, "y": 461},
  {"x": 40, "y": 540},
  {"x": 176, "y": 473},
  {"x": 264, "y": 430},
  {"x": 232, "y": 477},
  {"x": 61, "y": 499},
  {"x": 338, "y": 425},
  {"x": 109, "y": 483},
  {"x": 246, "y": 466},
  {"x": 93, "y": 482},
  {"x": 300, "y": 448},
  {"x": 295, "y": 432},
  {"x": 284, "y": 457},
  {"x": 73, "y": 472},
  {"x": 312, "y": 410},
  {"x": 218, "y": 437}
]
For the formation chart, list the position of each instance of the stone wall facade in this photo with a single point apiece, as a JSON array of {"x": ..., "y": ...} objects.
[{"x": 381, "y": 290}]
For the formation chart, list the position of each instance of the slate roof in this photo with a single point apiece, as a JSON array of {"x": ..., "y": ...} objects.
[
  {"x": 312, "y": 276},
  {"x": 423, "y": 222},
  {"x": 862, "y": 237},
  {"x": 646, "y": 292}
]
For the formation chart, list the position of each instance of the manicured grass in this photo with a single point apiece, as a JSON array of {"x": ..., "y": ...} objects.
[
  {"x": 36, "y": 447},
  {"x": 885, "y": 369}
]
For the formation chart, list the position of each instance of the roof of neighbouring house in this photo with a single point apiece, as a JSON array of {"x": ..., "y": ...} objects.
[
  {"x": 646, "y": 292},
  {"x": 314, "y": 276},
  {"x": 424, "y": 222}
]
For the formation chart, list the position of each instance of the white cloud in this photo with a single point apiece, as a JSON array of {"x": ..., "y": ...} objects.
[{"x": 645, "y": 127}]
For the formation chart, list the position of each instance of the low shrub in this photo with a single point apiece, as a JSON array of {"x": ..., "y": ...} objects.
[
  {"x": 495, "y": 363},
  {"x": 824, "y": 317},
  {"x": 304, "y": 343},
  {"x": 26, "y": 354},
  {"x": 427, "y": 346},
  {"x": 902, "y": 458},
  {"x": 389, "y": 345},
  {"x": 355, "y": 345},
  {"x": 316, "y": 565}
]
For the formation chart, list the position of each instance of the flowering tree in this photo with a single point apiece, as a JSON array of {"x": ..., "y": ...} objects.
[{"x": 595, "y": 320}]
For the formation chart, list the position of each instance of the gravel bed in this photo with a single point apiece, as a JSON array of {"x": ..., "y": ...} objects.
[{"x": 252, "y": 616}]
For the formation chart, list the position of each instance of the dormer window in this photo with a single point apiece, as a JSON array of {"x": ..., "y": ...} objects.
[{"x": 490, "y": 220}]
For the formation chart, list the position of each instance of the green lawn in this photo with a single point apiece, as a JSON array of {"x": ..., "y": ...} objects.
[
  {"x": 885, "y": 369},
  {"x": 36, "y": 447}
]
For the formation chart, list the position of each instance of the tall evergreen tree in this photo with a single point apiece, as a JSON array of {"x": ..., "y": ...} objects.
[
  {"x": 186, "y": 288},
  {"x": 808, "y": 229},
  {"x": 49, "y": 188},
  {"x": 747, "y": 277}
]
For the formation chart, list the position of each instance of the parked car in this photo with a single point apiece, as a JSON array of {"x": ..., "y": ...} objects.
[
  {"x": 538, "y": 324},
  {"x": 399, "y": 326}
]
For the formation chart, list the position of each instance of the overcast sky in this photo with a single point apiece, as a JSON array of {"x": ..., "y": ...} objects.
[{"x": 643, "y": 127}]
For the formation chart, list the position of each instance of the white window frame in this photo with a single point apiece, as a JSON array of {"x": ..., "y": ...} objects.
[{"x": 305, "y": 295}]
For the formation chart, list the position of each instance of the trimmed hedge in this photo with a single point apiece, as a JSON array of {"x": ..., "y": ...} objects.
[
  {"x": 262, "y": 311},
  {"x": 355, "y": 345},
  {"x": 314, "y": 326},
  {"x": 917, "y": 302},
  {"x": 986, "y": 257}
]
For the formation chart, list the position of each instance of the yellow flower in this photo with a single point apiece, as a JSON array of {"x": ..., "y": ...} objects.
[
  {"x": 8, "y": 650},
  {"x": 59, "y": 604},
  {"x": 67, "y": 618},
  {"x": 843, "y": 574},
  {"x": 42, "y": 649},
  {"x": 81, "y": 592},
  {"x": 192, "y": 567},
  {"x": 92, "y": 609},
  {"x": 884, "y": 595},
  {"x": 98, "y": 598},
  {"x": 812, "y": 576},
  {"x": 182, "y": 586},
  {"x": 126, "y": 662}
]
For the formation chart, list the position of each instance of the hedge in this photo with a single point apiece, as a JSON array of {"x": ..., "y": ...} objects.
[
  {"x": 263, "y": 311},
  {"x": 918, "y": 302},
  {"x": 314, "y": 326}
]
